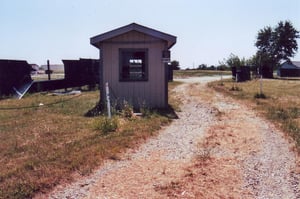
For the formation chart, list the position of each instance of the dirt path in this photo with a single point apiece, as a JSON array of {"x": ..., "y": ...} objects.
[{"x": 239, "y": 156}]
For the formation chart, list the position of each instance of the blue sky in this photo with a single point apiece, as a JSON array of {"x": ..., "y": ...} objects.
[{"x": 207, "y": 31}]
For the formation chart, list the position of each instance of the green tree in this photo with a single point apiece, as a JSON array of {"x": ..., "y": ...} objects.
[
  {"x": 202, "y": 67},
  {"x": 235, "y": 61},
  {"x": 222, "y": 65},
  {"x": 175, "y": 65},
  {"x": 276, "y": 45}
]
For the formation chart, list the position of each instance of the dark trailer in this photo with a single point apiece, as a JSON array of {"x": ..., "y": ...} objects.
[
  {"x": 14, "y": 74},
  {"x": 78, "y": 73}
]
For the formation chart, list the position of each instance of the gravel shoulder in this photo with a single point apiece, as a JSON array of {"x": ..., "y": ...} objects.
[{"x": 218, "y": 148}]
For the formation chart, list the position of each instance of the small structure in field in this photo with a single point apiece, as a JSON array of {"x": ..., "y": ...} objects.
[
  {"x": 77, "y": 73},
  {"x": 289, "y": 69},
  {"x": 82, "y": 72},
  {"x": 241, "y": 74},
  {"x": 134, "y": 62},
  {"x": 13, "y": 75}
]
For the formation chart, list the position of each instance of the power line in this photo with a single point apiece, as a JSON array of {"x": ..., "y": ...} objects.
[{"x": 38, "y": 106}]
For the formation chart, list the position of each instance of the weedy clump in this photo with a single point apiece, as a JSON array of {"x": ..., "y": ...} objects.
[
  {"x": 260, "y": 96},
  {"x": 204, "y": 154},
  {"x": 235, "y": 88},
  {"x": 127, "y": 110},
  {"x": 106, "y": 125}
]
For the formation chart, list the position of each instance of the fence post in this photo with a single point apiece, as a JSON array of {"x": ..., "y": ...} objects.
[
  {"x": 261, "y": 85},
  {"x": 107, "y": 100},
  {"x": 48, "y": 70}
]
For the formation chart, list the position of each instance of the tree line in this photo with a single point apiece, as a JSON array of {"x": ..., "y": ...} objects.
[{"x": 274, "y": 46}]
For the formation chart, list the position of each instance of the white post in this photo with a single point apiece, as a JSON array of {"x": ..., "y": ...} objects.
[
  {"x": 107, "y": 100},
  {"x": 261, "y": 85},
  {"x": 221, "y": 78}
]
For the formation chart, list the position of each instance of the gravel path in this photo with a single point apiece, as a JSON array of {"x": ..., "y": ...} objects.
[
  {"x": 164, "y": 155},
  {"x": 262, "y": 153},
  {"x": 268, "y": 164},
  {"x": 268, "y": 171}
]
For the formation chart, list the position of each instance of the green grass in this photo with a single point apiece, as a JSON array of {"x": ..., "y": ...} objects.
[
  {"x": 42, "y": 145},
  {"x": 199, "y": 73},
  {"x": 279, "y": 101}
]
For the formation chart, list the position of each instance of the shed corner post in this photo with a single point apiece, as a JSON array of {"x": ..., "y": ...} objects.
[{"x": 101, "y": 85}]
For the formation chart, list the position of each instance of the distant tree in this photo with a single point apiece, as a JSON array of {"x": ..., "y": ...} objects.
[
  {"x": 234, "y": 61},
  {"x": 212, "y": 67},
  {"x": 202, "y": 67},
  {"x": 253, "y": 62},
  {"x": 175, "y": 65},
  {"x": 276, "y": 45},
  {"x": 222, "y": 67}
]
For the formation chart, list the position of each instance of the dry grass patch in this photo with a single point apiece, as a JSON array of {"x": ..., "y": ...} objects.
[
  {"x": 199, "y": 73},
  {"x": 42, "y": 145},
  {"x": 206, "y": 179}
]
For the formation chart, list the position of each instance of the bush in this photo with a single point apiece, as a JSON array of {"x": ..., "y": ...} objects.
[
  {"x": 235, "y": 88},
  {"x": 106, "y": 125},
  {"x": 127, "y": 110},
  {"x": 260, "y": 96}
]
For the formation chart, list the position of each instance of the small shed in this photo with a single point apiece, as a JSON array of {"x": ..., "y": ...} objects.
[
  {"x": 134, "y": 62},
  {"x": 241, "y": 73},
  {"x": 289, "y": 69}
]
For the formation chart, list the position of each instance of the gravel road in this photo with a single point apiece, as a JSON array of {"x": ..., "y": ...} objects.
[{"x": 263, "y": 155}]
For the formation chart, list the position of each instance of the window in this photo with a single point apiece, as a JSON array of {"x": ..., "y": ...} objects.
[{"x": 133, "y": 64}]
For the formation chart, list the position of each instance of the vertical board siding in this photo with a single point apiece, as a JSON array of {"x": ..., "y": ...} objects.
[{"x": 152, "y": 91}]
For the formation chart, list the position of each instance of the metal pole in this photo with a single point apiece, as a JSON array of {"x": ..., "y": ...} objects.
[
  {"x": 48, "y": 69},
  {"x": 107, "y": 100}
]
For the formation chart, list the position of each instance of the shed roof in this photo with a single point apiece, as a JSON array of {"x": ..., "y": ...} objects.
[
  {"x": 296, "y": 63},
  {"x": 133, "y": 27},
  {"x": 291, "y": 65}
]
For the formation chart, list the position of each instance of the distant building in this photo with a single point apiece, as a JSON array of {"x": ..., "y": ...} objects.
[
  {"x": 56, "y": 68},
  {"x": 35, "y": 69},
  {"x": 289, "y": 69}
]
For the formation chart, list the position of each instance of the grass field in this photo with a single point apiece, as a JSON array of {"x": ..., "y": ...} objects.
[
  {"x": 199, "y": 73},
  {"x": 42, "y": 145},
  {"x": 279, "y": 103},
  {"x": 41, "y": 77}
]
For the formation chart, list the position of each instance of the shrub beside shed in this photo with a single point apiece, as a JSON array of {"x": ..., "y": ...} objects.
[{"x": 133, "y": 61}]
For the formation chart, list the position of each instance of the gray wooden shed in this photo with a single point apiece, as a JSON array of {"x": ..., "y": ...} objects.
[{"x": 133, "y": 60}]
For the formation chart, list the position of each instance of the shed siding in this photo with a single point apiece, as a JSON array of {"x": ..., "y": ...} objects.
[{"x": 152, "y": 91}]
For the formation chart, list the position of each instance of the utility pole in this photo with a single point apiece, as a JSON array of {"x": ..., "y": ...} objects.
[{"x": 48, "y": 71}]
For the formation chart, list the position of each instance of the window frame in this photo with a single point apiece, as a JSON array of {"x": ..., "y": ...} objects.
[{"x": 121, "y": 64}]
